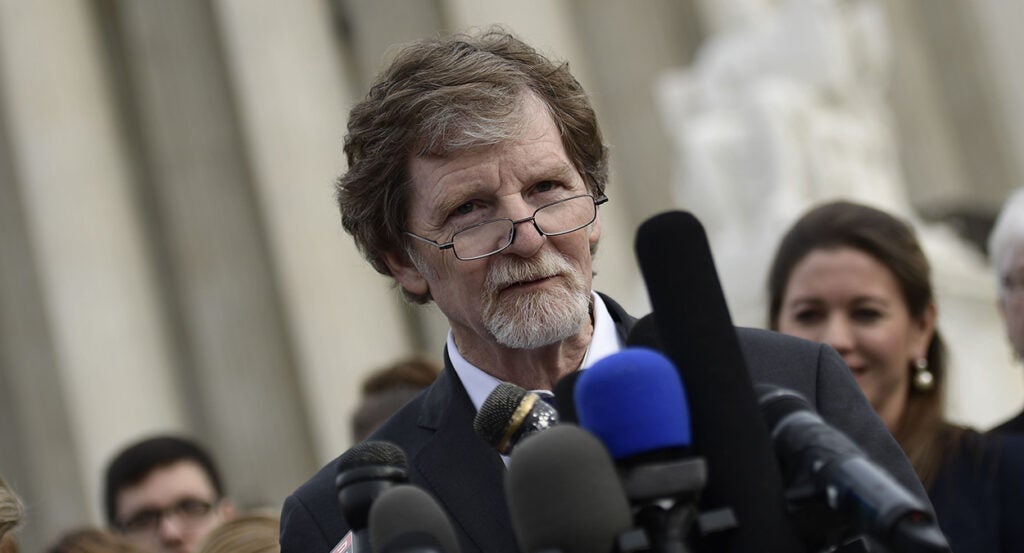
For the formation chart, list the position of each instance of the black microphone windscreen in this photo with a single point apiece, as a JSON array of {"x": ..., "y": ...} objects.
[
  {"x": 777, "y": 403},
  {"x": 694, "y": 329},
  {"x": 496, "y": 412},
  {"x": 406, "y": 518},
  {"x": 511, "y": 414},
  {"x": 373, "y": 453},
  {"x": 364, "y": 472},
  {"x": 565, "y": 397},
  {"x": 688, "y": 304},
  {"x": 867, "y": 496},
  {"x": 564, "y": 493},
  {"x": 644, "y": 334}
]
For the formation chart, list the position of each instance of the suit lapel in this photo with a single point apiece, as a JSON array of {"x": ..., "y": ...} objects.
[
  {"x": 464, "y": 473},
  {"x": 624, "y": 322}
]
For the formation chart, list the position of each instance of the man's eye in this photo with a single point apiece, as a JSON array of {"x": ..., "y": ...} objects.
[
  {"x": 464, "y": 209},
  {"x": 145, "y": 519},
  {"x": 546, "y": 186},
  {"x": 194, "y": 507}
]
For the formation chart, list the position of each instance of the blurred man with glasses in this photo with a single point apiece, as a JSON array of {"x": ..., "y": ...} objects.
[
  {"x": 476, "y": 175},
  {"x": 1006, "y": 250},
  {"x": 164, "y": 494}
]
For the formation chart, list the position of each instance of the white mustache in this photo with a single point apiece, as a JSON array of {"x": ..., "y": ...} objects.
[{"x": 514, "y": 270}]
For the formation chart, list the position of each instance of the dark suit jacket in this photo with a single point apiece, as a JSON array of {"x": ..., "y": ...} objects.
[
  {"x": 1012, "y": 426},
  {"x": 465, "y": 475},
  {"x": 979, "y": 493}
]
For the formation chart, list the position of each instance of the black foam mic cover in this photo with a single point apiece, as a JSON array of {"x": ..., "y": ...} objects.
[
  {"x": 692, "y": 325},
  {"x": 511, "y": 414},
  {"x": 564, "y": 494},
  {"x": 863, "y": 493},
  {"x": 565, "y": 397},
  {"x": 366, "y": 471}
]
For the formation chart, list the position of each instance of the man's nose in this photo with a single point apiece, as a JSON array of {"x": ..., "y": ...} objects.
[
  {"x": 526, "y": 239},
  {"x": 171, "y": 530}
]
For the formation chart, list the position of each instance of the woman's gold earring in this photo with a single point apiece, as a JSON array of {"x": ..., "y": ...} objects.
[{"x": 924, "y": 380}]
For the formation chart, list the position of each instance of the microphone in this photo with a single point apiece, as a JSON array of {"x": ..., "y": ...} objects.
[
  {"x": 406, "y": 519},
  {"x": 634, "y": 402},
  {"x": 510, "y": 414},
  {"x": 867, "y": 497},
  {"x": 564, "y": 496},
  {"x": 366, "y": 471},
  {"x": 565, "y": 402},
  {"x": 693, "y": 325}
]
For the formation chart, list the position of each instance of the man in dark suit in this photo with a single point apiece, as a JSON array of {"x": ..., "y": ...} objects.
[{"x": 475, "y": 173}]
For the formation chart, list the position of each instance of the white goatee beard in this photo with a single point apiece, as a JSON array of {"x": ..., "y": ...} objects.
[{"x": 539, "y": 318}]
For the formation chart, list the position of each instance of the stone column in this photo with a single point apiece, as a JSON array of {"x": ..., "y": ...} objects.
[
  {"x": 232, "y": 330},
  {"x": 293, "y": 103},
  {"x": 371, "y": 31},
  {"x": 999, "y": 25},
  {"x": 630, "y": 44},
  {"x": 38, "y": 458},
  {"x": 954, "y": 107},
  {"x": 100, "y": 304}
]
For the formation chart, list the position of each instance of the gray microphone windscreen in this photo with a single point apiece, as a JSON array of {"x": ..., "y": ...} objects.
[
  {"x": 406, "y": 518},
  {"x": 564, "y": 493}
]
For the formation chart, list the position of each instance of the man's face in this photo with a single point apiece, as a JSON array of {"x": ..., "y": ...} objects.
[
  {"x": 172, "y": 509},
  {"x": 533, "y": 293},
  {"x": 1011, "y": 305}
]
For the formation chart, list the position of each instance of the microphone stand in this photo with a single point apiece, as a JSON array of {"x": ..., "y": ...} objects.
[
  {"x": 830, "y": 531},
  {"x": 665, "y": 495}
]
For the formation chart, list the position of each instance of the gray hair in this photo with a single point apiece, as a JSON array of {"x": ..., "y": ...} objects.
[
  {"x": 447, "y": 95},
  {"x": 1007, "y": 237}
]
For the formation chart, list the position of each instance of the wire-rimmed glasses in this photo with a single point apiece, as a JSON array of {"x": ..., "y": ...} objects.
[
  {"x": 190, "y": 511},
  {"x": 490, "y": 237}
]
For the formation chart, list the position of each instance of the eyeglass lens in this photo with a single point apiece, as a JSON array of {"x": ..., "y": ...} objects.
[
  {"x": 561, "y": 217},
  {"x": 188, "y": 511}
]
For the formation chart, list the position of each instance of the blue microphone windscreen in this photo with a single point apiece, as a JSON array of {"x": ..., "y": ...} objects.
[{"x": 634, "y": 402}]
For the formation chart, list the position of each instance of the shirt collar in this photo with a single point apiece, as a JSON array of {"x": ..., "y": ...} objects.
[{"x": 604, "y": 342}]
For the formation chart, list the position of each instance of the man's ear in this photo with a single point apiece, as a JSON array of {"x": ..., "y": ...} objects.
[
  {"x": 595, "y": 232},
  {"x": 406, "y": 273}
]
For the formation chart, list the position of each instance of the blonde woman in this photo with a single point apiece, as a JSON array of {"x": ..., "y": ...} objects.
[{"x": 250, "y": 533}]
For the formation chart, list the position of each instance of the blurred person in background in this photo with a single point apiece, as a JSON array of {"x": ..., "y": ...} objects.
[
  {"x": 387, "y": 390},
  {"x": 1006, "y": 249},
  {"x": 248, "y": 533},
  {"x": 11, "y": 512},
  {"x": 164, "y": 494},
  {"x": 93, "y": 540},
  {"x": 856, "y": 278}
]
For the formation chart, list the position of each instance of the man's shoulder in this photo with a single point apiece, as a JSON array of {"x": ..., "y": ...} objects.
[
  {"x": 1012, "y": 426},
  {"x": 758, "y": 343},
  {"x": 398, "y": 429},
  {"x": 315, "y": 501}
]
